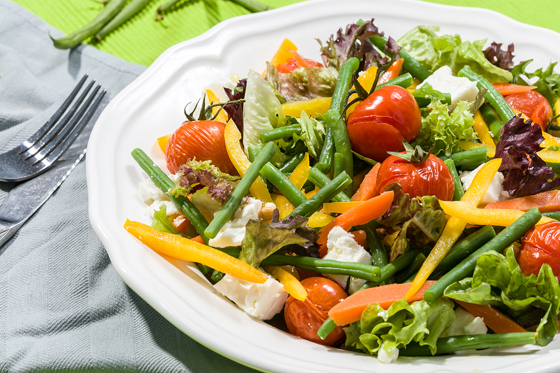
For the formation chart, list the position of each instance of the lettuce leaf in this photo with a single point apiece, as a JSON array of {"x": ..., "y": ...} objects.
[
  {"x": 498, "y": 57},
  {"x": 498, "y": 281},
  {"x": 444, "y": 130},
  {"x": 434, "y": 51},
  {"x": 162, "y": 223},
  {"x": 548, "y": 83},
  {"x": 235, "y": 111},
  {"x": 302, "y": 83},
  {"x": 312, "y": 134},
  {"x": 400, "y": 325},
  {"x": 525, "y": 172}
]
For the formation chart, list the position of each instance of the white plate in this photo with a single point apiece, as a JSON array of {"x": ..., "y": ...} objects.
[{"x": 152, "y": 106}]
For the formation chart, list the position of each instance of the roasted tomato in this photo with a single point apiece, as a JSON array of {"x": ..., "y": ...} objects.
[
  {"x": 295, "y": 62},
  {"x": 428, "y": 178},
  {"x": 533, "y": 105},
  {"x": 202, "y": 139},
  {"x": 540, "y": 245},
  {"x": 305, "y": 318},
  {"x": 382, "y": 121}
]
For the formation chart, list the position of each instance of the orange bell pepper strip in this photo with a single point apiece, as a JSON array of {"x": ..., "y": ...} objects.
[
  {"x": 290, "y": 282},
  {"x": 284, "y": 53},
  {"x": 368, "y": 187},
  {"x": 475, "y": 216},
  {"x": 298, "y": 177},
  {"x": 162, "y": 142},
  {"x": 545, "y": 201},
  {"x": 494, "y": 319},
  {"x": 182, "y": 248},
  {"x": 312, "y": 107},
  {"x": 241, "y": 163},
  {"x": 455, "y": 226},
  {"x": 339, "y": 207},
  {"x": 509, "y": 89},
  {"x": 392, "y": 72}
]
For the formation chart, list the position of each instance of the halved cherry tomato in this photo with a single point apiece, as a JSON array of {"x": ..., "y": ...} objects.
[
  {"x": 533, "y": 105},
  {"x": 428, "y": 178},
  {"x": 540, "y": 245},
  {"x": 305, "y": 318},
  {"x": 295, "y": 62},
  {"x": 202, "y": 139},
  {"x": 380, "y": 122}
]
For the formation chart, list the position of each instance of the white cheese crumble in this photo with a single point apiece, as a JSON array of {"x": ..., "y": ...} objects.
[
  {"x": 465, "y": 324},
  {"x": 262, "y": 301},
  {"x": 343, "y": 247},
  {"x": 460, "y": 89},
  {"x": 495, "y": 191},
  {"x": 387, "y": 357},
  {"x": 233, "y": 231},
  {"x": 155, "y": 198}
]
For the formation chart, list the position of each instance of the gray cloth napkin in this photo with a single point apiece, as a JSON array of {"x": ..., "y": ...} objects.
[{"x": 62, "y": 305}]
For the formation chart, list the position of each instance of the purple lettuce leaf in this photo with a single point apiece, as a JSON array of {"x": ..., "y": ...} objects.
[
  {"x": 498, "y": 57},
  {"x": 525, "y": 172},
  {"x": 235, "y": 111}
]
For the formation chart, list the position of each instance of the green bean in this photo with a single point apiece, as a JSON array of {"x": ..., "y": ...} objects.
[
  {"x": 342, "y": 144},
  {"x": 377, "y": 250},
  {"x": 283, "y": 184},
  {"x": 204, "y": 269},
  {"x": 320, "y": 180},
  {"x": 404, "y": 81},
  {"x": 492, "y": 95},
  {"x": 165, "y": 184},
  {"x": 280, "y": 133},
  {"x": 326, "y": 329},
  {"x": 325, "y": 194},
  {"x": 240, "y": 191},
  {"x": 491, "y": 119},
  {"x": 458, "y": 191},
  {"x": 468, "y": 156},
  {"x": 419, "y": 259},
  {"x": 470, "y": 342},
  {"x": 324, "y": 164},
  {"x": 292, "y": 163},
  {"x": 343, "y": 82},
  {"x": 217, "y": 276},
  {"x": 390, "y": 269},
  {"x": 555, "y": 167},
  {"x": 502, "y": 240},
  {"x": 410, "y": 64},
  {"x": 128, "y": 12},
  {"x": 338, "y": 164},
  {"x": 462, "y": 249},
  {"x": 552, "y": 214},
  {"x": 252, "y": 152},
  {"x": 252, "y": 6}
]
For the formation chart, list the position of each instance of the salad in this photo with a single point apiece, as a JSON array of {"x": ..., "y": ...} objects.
[{"x": 396, "y": 198}]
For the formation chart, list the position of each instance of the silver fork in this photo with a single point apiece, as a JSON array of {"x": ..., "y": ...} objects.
[{"x": 40, "y": 151}]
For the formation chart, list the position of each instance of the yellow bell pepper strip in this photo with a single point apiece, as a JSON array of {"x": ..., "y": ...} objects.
[
  {"x": 290, "y": 282},
  {"x": 319, "y": 220},
  {"x": 366, "y": 81},
  {"x": 482, "y": 130},
  {"x": 455, "y": 226},
  {"x": 241, "y": 163},
  {"x": 312, "y": 193},
  {"x": 299, "y": 175},
  {"x": 162, "y": 142},
  {"x": 549, "y": 140},
  {"x": 312, "y": 107},
  {"x": 182, "y": 248},
  {"x": 476, "y": 216},
  {"x": 212, "y": 98},
  {"x": 339, "y": 207},
  {"x": 283, "y": 53},
  {"x": 284, "y": 206}
]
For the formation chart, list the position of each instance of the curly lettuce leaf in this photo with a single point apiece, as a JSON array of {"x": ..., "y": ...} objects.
[
  {"x": 498, "y": 57},
  {"x": 499, "y": 281},
  {"x": 525, "y": 172},
  {"x": 312, "y": 134},
  {"x": 235, "y": 111},
  {"x": 548, "y": 82},
  {"x": 443, "y": 131},
  {"x": 400, "y": 325},
  {"x": 162, "y": 223},
  {"x": 302, "y": 83},
  {"x": 434, "y": 51}
]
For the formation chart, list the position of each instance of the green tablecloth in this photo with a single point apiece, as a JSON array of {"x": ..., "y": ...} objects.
[{"x": 142, "y": 39}]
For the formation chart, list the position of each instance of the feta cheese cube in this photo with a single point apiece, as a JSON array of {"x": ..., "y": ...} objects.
[
  {"x": 387, "y": 356},
  {"x": 495, "y": 191},
  {"x": 149, "y": 192},
  {"x": 460, "y": 89},
  {"x": 465, "y": 324},
  {"x": 343, "y": 247},
  {"x": 233, "y": 231},
  {"x": 170, "y": 208},
  {"x": 262, "y": 301}
]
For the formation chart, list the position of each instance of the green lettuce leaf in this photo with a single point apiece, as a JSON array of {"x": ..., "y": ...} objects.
[
  {"x": 444, "y": 130},
  {"x": 312, "y": 134},
  {"x": 400, "y": 325},
  {"x": 162, "y": 223},
  {"x": 548, "y": 83},
  {"x": 260, "y": 241},
  {"x": 498, "y": 281},
  {"x": 434, "y": 51},
  {"x": 302, "y": 83}
]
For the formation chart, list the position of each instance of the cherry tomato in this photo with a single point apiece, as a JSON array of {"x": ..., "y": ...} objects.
[
  {"x": 305, "y": 318},
  {"x": 201, "y": 139},
  {"x": 540, "y": 245},
  {"x": 533, "y": 105},
  {"x": 295, "y": 62},
  {"x": 428, "y": 178},
  {"x": 380, "y": 122}
]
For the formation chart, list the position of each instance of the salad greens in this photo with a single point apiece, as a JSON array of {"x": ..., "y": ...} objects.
[{"x": 303, "y": 83}]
